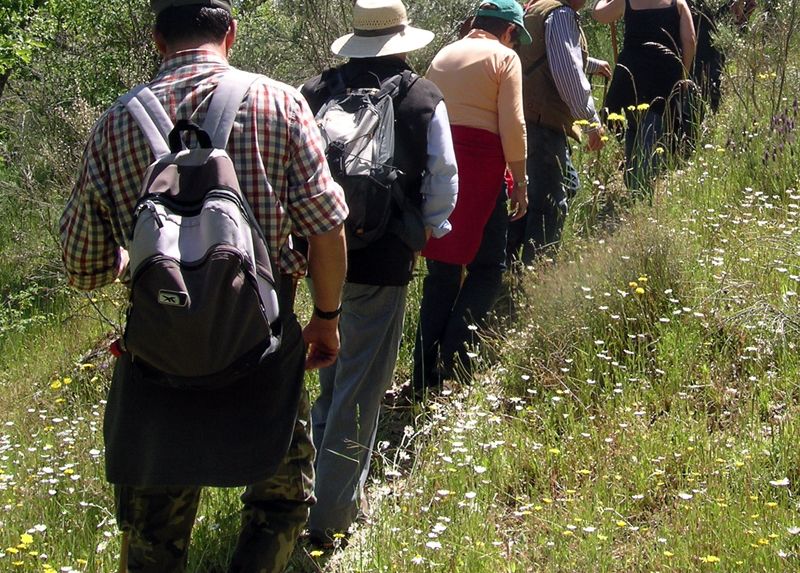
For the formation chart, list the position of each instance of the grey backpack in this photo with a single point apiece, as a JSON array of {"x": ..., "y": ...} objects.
[
  {"x": 203, "y": 306},
  {"x": 357, "y": 126}
]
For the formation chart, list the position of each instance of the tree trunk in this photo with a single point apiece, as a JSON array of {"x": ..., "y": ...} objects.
[{"x": 3, "y": 81}]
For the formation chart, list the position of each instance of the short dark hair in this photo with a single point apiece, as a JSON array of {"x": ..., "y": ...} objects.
[
  {"x": 202, "y": 23},
  {"x": 494, "y": 26}
]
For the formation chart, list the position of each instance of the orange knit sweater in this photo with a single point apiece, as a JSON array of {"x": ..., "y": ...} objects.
[{"x": 481, "y": 80}]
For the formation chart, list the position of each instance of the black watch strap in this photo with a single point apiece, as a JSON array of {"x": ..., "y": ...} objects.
[{"x": 327, "y": 315}]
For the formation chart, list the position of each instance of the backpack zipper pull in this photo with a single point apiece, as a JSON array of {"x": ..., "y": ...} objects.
[{"x": 152, "y": 208}]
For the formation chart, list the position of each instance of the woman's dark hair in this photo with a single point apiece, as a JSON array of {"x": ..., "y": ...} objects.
[
  {"x": 201, "y": 23},
  {"x": 495, "y": 26}
]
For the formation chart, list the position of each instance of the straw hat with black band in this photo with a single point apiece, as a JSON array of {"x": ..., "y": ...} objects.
[{"x": 380, "y": 28}]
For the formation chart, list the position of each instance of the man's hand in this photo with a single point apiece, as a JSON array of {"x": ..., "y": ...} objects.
[
  {"x": 596, "y": 141},
  {"x": 322, "y": 338},
  {"x": 604, "y": 69},
  {"x": 122, "y": 261},
  {"x": 519, "y": 202}
]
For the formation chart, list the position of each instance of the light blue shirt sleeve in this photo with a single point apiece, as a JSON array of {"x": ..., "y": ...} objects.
[{"x": 440, "y": 182}]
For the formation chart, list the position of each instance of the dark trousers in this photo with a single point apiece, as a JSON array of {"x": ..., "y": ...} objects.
[
  {"x": 644, "y": 149},
  {"x": 553, "y": 183},
  {"x": 451, "y": 306}
]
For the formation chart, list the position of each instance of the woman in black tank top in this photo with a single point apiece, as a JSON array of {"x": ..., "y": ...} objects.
[{"x": 658, "y": 47}]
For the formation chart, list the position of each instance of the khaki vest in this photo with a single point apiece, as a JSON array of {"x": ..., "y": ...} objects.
[{"x": 541, "y": 101}]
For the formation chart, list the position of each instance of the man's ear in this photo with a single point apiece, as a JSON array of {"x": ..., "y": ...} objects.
[
  {"x": 161, "y": 45},
  {"x": 506, "y": 38},
  {"x": 230, "y": 36}
]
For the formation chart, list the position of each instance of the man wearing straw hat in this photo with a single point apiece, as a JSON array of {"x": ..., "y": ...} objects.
[
  {"x": 345, "y": 415},
  {"x": 558, "y": 104}
]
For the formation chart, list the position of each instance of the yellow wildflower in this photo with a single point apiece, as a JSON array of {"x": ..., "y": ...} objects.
[
  {"x": 639, "y": 290},
  {"x": 616, "y": 117},
  {"x": 55, "y": 385},
  {"x": 26, "y": 538},
  {"x": 710, "y": 559},
  {"x": 643, "y": 107}
]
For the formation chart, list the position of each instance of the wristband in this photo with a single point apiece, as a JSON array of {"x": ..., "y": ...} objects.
[
  {"x": 523, "y": 183},
  {"x": 329, "y": 315}
]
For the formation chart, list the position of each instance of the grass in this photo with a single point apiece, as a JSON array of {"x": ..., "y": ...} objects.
[{"x": 638, "y": 412}]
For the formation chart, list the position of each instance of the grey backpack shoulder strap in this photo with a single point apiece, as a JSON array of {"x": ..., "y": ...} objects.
[
  {"x": 228, "y": 96},
  {"x": 151, "y": 117}
]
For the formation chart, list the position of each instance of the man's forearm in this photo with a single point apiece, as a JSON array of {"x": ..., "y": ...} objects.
[{"x": 327, "y": 264}]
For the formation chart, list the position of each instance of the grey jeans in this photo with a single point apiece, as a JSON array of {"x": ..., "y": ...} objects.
[{"x": 345, "y": 416}]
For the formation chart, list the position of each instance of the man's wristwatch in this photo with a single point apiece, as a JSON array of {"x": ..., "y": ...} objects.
[
  {"x": 523, "y": 183},
  {"x": 327, "y": 315}
]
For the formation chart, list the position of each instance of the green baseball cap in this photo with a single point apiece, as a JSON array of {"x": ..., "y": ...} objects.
[
  {"x": 508, "y": 10},
  {"x": 158, "y": 6}
]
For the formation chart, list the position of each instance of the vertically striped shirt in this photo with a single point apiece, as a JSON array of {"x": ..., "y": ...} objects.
[
  {"x": 274, "y": 144},
  {"x": 562, "y": 39}
]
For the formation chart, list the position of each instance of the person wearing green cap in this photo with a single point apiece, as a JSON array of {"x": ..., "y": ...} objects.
[
  {"x": 163, "y": 445},
  {"x": 480, "y": 77}
]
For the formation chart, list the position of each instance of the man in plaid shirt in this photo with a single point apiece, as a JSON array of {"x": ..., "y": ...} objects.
[{"x": 278, "y": 156}]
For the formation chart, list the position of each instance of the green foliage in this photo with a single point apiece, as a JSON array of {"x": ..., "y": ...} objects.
[{"x": 17, "y": 43}]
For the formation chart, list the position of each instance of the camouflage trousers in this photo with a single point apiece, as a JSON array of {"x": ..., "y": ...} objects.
[{"x": 158, "y": 521}]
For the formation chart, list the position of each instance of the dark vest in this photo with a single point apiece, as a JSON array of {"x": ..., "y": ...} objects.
[
  {"x": 388, "y": 261},
  {"x": 542, "y": 103}
]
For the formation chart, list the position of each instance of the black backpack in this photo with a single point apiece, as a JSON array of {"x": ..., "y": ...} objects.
[{"x": 203, "y": 304}]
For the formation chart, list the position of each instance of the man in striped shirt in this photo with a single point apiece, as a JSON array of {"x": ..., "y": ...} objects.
[
  {"x": 163, "y": 445},
  {"x": 558, "y": 103}
]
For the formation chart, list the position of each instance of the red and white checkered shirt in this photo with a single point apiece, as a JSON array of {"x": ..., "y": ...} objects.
[{"x": 275, "y": 146}]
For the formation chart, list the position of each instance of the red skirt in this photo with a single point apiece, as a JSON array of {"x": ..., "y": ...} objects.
[{"x": 481, "y": 165}]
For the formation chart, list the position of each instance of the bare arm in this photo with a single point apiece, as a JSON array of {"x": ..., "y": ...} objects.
[
  {"x": 688, "y": 38},
  {"x": 608, "y": 11},
  {"x": 327, "y": 263}
]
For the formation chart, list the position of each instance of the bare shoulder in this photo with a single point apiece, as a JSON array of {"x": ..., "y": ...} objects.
[{"x": 683, "y": 8}]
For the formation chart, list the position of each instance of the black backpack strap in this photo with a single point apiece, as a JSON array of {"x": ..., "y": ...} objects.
[{"x": 399, "y": 84}]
